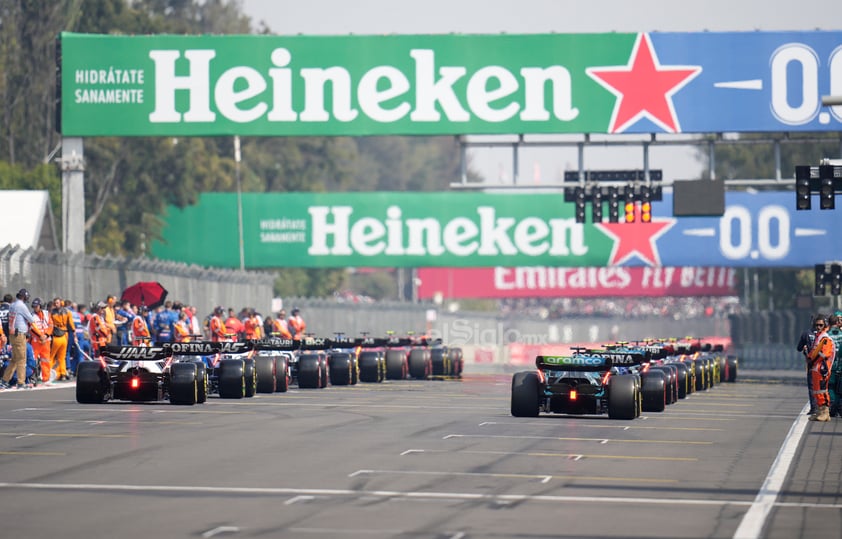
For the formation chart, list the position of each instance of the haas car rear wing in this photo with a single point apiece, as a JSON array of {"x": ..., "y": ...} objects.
[
  {"x": 137, "y": 353},
  {"x": 593, "y": 360}
]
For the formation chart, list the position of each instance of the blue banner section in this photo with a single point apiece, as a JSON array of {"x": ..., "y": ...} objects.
[
  {"x": 757, "y": 230},
  {"x": 761, "y": 81}
]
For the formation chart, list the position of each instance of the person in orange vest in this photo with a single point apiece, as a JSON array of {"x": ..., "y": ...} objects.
[
  {"x": 820, "y": 358},
  {"x": 218, "y": 331},
  {"x": 252, "y": 326},
  {"x": 98, "y": 330},
  {"x": 182, "y": 328},
  {"x": 41, "y": 331},
  {"x": 280, "y": 326},
  {"x": 140, "y": 329},
  {"x": 62, "y": 325},
  {"x": 297, "y": 326}
]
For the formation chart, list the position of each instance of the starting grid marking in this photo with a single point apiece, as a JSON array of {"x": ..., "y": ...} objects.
[
  {"x": 222, "y": 491},
  {"x": 569, "y": 456}
]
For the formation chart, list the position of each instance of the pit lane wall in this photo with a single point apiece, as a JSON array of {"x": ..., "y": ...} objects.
[
  {"x": 492, "y": 342},
  {"x": 766, "y": 340}
]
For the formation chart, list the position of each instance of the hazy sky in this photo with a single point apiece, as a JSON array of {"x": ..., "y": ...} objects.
[{"x": 542, "y": 16}]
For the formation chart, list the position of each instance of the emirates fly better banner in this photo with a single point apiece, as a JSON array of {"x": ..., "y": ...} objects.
[
  {"x": 472, "y": 230},
  {"x": 449, "y": 84},
  {"x": 530, "y": 282}
]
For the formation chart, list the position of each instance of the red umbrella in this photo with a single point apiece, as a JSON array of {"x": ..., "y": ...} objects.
[{"x": 149, "y": 293}]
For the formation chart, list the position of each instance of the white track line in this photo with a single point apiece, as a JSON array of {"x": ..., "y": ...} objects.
[
  {"x": 408, "y": 495},
  {"x": 754, "y": 520}
]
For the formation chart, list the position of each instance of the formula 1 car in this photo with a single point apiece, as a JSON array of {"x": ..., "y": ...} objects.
[
  {"x": 584, "y": 383},
  {"x": 228, "y": 368},
  {"x": 139, "y": 374}
]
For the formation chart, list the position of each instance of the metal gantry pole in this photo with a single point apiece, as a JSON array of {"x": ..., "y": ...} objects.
[{"x": 239, "y": 202}]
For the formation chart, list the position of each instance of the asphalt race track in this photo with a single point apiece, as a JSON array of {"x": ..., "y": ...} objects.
[{"x": 426, "y": 459}]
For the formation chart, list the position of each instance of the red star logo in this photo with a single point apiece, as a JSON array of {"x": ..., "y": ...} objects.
[
  {"x": 644, "y": 88},
  {"x": 635, "y": 238}
]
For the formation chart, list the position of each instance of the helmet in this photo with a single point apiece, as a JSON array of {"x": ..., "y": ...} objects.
[
  {"x": 36, "y": 302},
  {"x": 23, "y": 294}
]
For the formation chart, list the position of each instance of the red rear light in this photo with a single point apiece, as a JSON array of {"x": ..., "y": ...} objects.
[
  {"x": 135, "y": 383},
  {"x": 605, "y": 377},
  {"x": 573, "y": 394}
]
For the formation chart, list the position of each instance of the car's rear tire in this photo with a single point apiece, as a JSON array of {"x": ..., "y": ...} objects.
[
  {"x": 654, "y": 389},
  {"x": 183, "y": 386},
  {"x": 731, "y": 369},
  {"x": 309, "y": 372},
  {"x": 232, "y": 380},
  {"x": 396, "y": 367},
  {"x": 340, "y": 368},
  {"x": 266, "y": 377},
  {"x": 370, "y": 367},
  {"x": 525, "y": 398},
  {"x": 201, "y": 382},
  {"x": 91, "y": 383},
  {"x": 281, "y": 374},
  {"x": 622, "y": 397},
  {"x": 418, "y": 364}
]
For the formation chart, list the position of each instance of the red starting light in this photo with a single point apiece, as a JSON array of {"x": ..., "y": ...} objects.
[{"x": 135, "y": 383}]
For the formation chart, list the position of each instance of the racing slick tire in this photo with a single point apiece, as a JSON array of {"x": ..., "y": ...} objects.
[
  {"x": 309, "y": 372},
  {"x": 708, "y": 366},
  {"x": 419, "y": 364},
  {"x": 396, "y": 367},
  {"x": 731, "y": 363},
  {"x": 683, "y": 379},
  {"x": 232, "y": 379},
  {"x": 441, "y": 362},
  {"x": 371, "y": 367},
  {"x": 457, "y": 361},
  {"x": 340, "y": 368},
  {"x": 654, "y": 389},
  {"x": 201, "y": 382},
  {"x": 281, "y": 374},
  {"x": 183, "y": 387},
  {"x": 699, "y": 368},
  {"x": 622, "y": 397},
  {"x": 266, "y": 376},
  {"x": 250, "y": 373},
  {"x": 325, "y": 370},
  {"x": 525, "y": 398},
  {"x": 91, "y": 383}
]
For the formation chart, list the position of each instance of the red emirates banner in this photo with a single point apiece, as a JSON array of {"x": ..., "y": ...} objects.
[{"x": 499, "y": 282}]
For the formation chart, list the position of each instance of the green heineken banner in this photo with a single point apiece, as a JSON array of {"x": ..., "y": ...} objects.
[
  {"x": 382, "y": 229},
  {"x": 261, "y": 85}
]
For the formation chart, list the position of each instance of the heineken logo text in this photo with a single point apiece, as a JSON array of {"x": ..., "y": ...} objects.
[
  {"x": 383, "y": 93},
  {"x": 485, "y": 234}
]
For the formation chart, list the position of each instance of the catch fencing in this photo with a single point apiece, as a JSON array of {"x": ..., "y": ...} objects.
[{"x": 85, "y": 278}]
